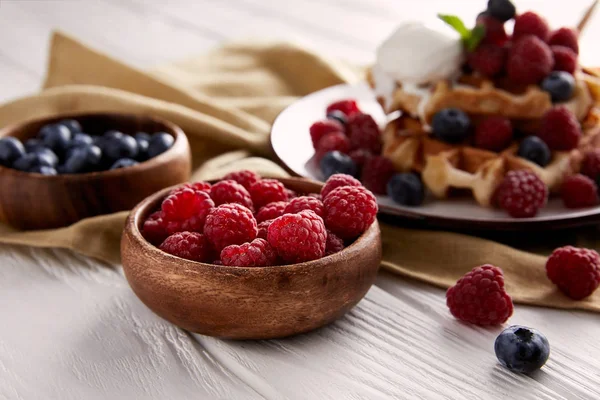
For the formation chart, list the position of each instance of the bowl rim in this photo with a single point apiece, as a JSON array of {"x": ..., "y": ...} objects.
[
  {"x": 171, "y": 128},
  {"x": 144, "y": 208}
]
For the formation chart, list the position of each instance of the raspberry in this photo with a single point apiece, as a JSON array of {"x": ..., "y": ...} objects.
[
  {"x": 229, "y": 191},
  {"x": 322, "y": 128},
  {"x": 189, "y": 245},
  {"x": 347, "y": 106},
  {"x": 185, "y": 209},
  {"x": 201, "y": 186},
  {"x": 487, "y": 59},
  {"x": 267, "y": 191},
  {"x": 263, "y": 229},
  {"x": 334, "y": 244},
  {"x": 575, "y": 271},
  {"x": 316, "y": 196},
  {"x": 244, "y": 177},
  {"x": 257, "y": 253},
  {"x": 291, "y": 194},
  {"x": 522, "y": 193},
  {"x": 494, "y": 30},
  {"x": 271, "y": 211},
  {"x": 230, "y": 224},
  {"x": 154, "y": 229},
  {"x": 529, "y": 61},
  {"x": 305, "y": 203},
  {"x": 479, "y": 297},
  {"x": 338, "y": 180},
  {"x": 579, "y": 191},
  {"x": 376, "y": 174},
  {"x": 335, "y": 141},
  {"x": 590, "y": 166},
  {"x": 530, "y": 23},
  {"x": 364, "y": 133},
  {"x": 567, "y": 37},
  {"x": 565, "y": 59},
  {"x": 349, "y": 211},
  {"x": 560, "y": 129},
  {"x": 494, "y": 134},
  {"x": 360, "y": 156},
  {"x": 298, "y": 237}
]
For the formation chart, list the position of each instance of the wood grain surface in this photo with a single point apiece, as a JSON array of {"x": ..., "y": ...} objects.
[{"x": 71, "y": 328}]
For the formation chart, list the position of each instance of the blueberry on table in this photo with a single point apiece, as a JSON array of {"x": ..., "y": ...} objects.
[
  {"x": 522, "y": 349},
  {"x": 123, "y": 163},
  {"x": 406, "y": 189},
  {"x": 116, "y": 148},
  {"x": 82, "y": 159},
  {"x": 32, "y": 160},
  {"x": 11, "y": 149},
  {"x": 72, "y": 124},
  {"x": 451, "y": 125},
  {"x": 33, "y": 144},
  {"x": 560, "y": 85},
  {"x": 336, "y": 162},
  {"x": 42, "y": 169},
  {"x": 502, "y": 10},
  {"x": 81, "y": 139},
  {"x": 534, "y": 149},
  {"x": 339, "y": 116},
  {"x": 56, "y": 137},
  {"x": 159, "y": 143}
]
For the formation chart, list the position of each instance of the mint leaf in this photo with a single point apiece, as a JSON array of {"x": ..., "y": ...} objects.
[
  {"x": 470, "y": 37},
  {"x": 476, "y": 36}
]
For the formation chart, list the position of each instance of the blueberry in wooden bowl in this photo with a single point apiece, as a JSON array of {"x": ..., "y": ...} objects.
[
  {"x": 246, "y": 302},
  {"x": 56, "y": 171}
]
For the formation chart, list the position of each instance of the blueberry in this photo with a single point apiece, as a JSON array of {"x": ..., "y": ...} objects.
[
  {"x": 82, "y": 159},
  {"x": 56, "y": 137},
  {"x": 451, "y": 125},
  {"x": 31, "y": 145},
  {"x": 143, "y": 141},
  {"x": 50, "y": 157},
  {"x": 406, "y": 189},
  {"x": 11, "y": 149},
  {"x": 81, "y": 139},
  {"x": 32, "y": 160},
  {"x": 142, "y": 136},
  {"x": 116, "y": 148},
  {"x": 534, "y": 149},
  {"x": 42, "y": 169},
  {"x": 123, "y": 163},
  {"x": 522, "y": 349},
  {"x": 112, "y": 134},
  {"x": 560, "y": 85},
  {"x": 501, "y": 9},
  {"x": 339, "y": 116},
  {"x": 336, "y": 162},
  {"x": 159, "y": 143},
  {"x": 73, "y": 125}
]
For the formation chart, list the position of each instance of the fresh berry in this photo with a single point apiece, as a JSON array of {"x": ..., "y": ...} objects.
[
  {"x": 494, "y": 30},
  {"x": 230, "y": 224},
  {"x": 48, "y": 154},
  {"x": 142, "y": 136},
  {"x": 575, "y": 271},
  {"x": 590, "y": 166},
  {"x": 347, "y": 106},
  {"x": 530, "y": 23},
  {"x": 56, "y": 137},
  {"x": 143, "y": 143},
  {"x": 189, "y": 245},
  {"x": 522, "y": 349},
  {"x": 579, "y": 191},
  {"x": 229, "y": 191},
  {"x": 316, "y": 196},
  {"x": 337, "y": 180},
  {"x": 298, "y": 237},
  {"x": 406, "y": 189},
  {"x": 502, "y": 10},
  {"x": 451, "y": 125},
  {"x": 72, "y": 124},
  {"x": 479, "y": 297},
  {"x": 336, "y": 162},
  {"x": 534, "y": 149},
  {"x": 200, "y": 185},
  {"x": 487, "y": 59},
  {"x": 81, "y": 139},
  {"x": 305, "y": 203},
  {"x": 124, "y": 163},
  {"x": 291, "y": 194},
  {"x": 257, "y": 253},
  {"x": 334, "y": 244},
  {"x": 154, "y": 229},
  {"x": 267, "y": 191},
  {"x": 244, "y": 177},
  {"x": 263, "y": 229},
  {"x": 322, "y": 128},
  {"x": 112, "y": 134},
  {"x": 560, "y": 129},
  {"x": 560, "y": 85},
  {"x": 32, "y": 161},
  {"x": 11, "y": 149},
  {"x": 567, "y": 37},
  {"x": 349, "y": 211},
  {"x": 186, "y": 209},
  {"x": 335, "y": 141},
  {"x": 522, "y": 194},
  {"x": 565, "y": 59},
  {"x": 159, "y": 143},
  {"x": 360, "y": 156},
  {"x": 363, "y": 133},
  {"x": 376, "y": 174},
  {"x": 338, "y": 116},
  {"x": 271, "y": 211},
  {"x": 31, "y": 145},
  {"x": 494, "y": 133},
  {"x": 82, "y": 159},
  {"x": 120, "y": 147},
  {"x": 529, "y": 61},
  {"x": 44, "y": 170}
]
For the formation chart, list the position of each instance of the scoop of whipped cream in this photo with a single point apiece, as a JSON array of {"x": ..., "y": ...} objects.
[{"x": 421, "y": 52}]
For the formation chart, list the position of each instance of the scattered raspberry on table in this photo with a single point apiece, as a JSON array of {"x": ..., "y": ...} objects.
[{"x": 575, "y": 271}]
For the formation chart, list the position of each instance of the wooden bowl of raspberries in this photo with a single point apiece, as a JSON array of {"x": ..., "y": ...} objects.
[
  {"x": 253, "y": 258},
  {"x": 56, "y": 171}
]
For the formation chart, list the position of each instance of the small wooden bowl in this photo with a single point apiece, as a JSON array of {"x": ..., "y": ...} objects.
[
  {"x": 35, "y": 201},
  {"x": 248, "y": 303}
]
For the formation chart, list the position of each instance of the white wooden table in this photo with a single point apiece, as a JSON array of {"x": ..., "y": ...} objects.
[{"x": 70, "y": 327}]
